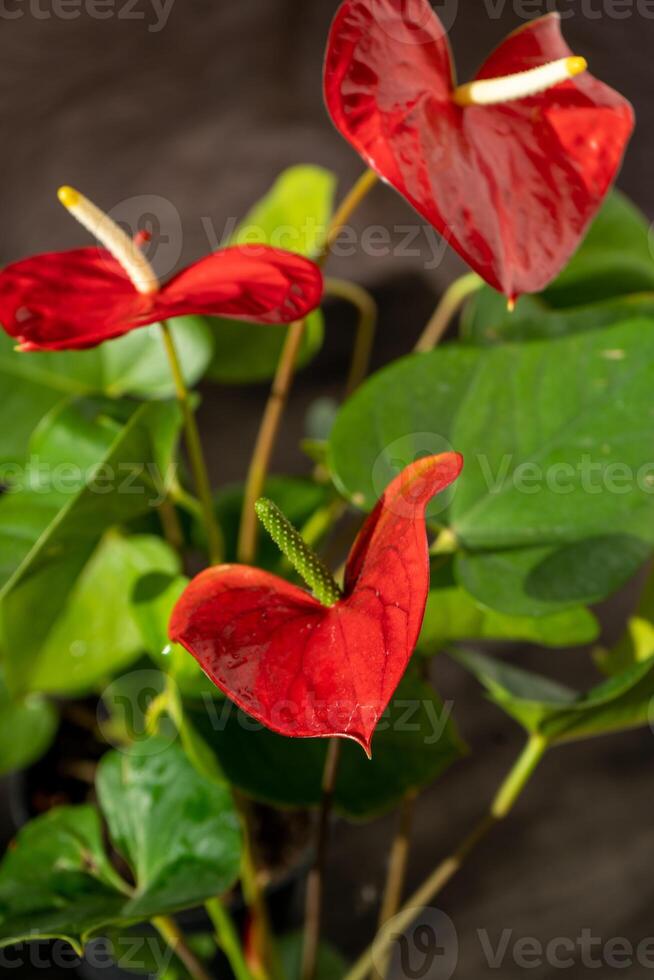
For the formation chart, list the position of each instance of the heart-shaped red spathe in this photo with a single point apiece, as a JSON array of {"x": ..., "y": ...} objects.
[
  {"x": 307, "y": 670},
  {"x": 81, "y": 298},
  {"x": 511, "y": 187}
]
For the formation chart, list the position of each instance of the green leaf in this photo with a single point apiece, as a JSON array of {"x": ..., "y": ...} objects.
[
  {"x": 452, "y": 614},
  {"x": 486, "y": 320},
  {"x": 414, "y": 744},
  {"x": 179, "y": 833},
  {"x": 556, "y": 439},
  {"x": 330, "y": 964},
  {"x": 637, "y": 642},
  {"x": 51, "y": 536},
  {"x": 559, "y": 714},
  {"x": 27, "y": 728},
  {"x": 136, "y": 364},
  {"x": 614, "y": 259},
  {"x": 294, "y": 216},
  {"x": 56, "y": 881},
  {"x": 153, "y": 599},
  {"x": 246, "y": 353}
]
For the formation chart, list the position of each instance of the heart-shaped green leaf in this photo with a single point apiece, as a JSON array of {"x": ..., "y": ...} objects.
[
  {"x": 179, "y": 833},
  {"x": 556, "y": 439},
  {"x": 559, "y": 714}
]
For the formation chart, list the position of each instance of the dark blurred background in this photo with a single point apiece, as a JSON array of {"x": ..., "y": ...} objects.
[{"x": 201, "y": 103}]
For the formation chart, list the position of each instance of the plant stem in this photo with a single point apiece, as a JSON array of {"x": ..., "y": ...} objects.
[
  {"x": 173, "y": 936},
  {"x": 361, "y": 299},
  {"x": 504, "y": 800},
  {"x": 228, "y": 938},
  {"x": 253, "y": 894},
  {"x": 171, "y": 526},
  {"x": 313, "y": 904},
  {"x": 266, "y": 439},
  {"x": 348, "y": 206},
  {"x": 274, "y": 410},
  {"x": 451, "y": 301},
  {"x": 194, "y": 449},
  {"x": 397, "y": 866}
]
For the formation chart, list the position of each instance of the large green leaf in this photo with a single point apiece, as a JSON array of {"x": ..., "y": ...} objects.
[
  {"x": 453, "y": 614},
  {"x": 135, "y": 364},
  {"x": 96, "y": 471},
  {"x": 557, "y": 445},
  {"x": 415, "y": 743},
  {"x": 294, "y": 216},
  {"x": 559, "y": 714},
  {"x": 179, "y": 833},
  {"x": 27, "y": 727}
]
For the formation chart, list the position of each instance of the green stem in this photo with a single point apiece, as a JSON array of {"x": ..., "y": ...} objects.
[
  {"x": 451, "y": 301},
  {"x": 227, "y": 938},
  {"x": 173, "y": 936},
  {"x": 194, "y": 449},
  {"x": 504, "y": 800},
  {"x": 366, "y": 308},
  {"x": 348, "y": 206}
]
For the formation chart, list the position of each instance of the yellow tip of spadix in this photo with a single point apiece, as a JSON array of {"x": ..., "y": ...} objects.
[
  {"x": 576, "y": 66},
  {"x": 68, "y": 196}
]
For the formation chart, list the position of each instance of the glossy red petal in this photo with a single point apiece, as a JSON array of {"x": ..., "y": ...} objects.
[
  {"x": 254, "y": 283},
  {"x": 305, "y": 670},
  {"x": 69, "y": 300},
  {"x": 512, "y": 188}
]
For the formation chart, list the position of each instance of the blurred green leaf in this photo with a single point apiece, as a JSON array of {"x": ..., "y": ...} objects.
[
  {"x": 294, "y": 216},
  {"x": 153, "y": 599},
  {"x": 453, "y": 614},
  {"x": 637, "y": 641},
  {"x": 556, "y": 439},
  {"x": 136, "y": 364},
  {"x": 27, "y": 728},
  {"x": 559, "y": 714},
  {"x": 96, "y": 471},
  {"x": 414, "y": 744}
]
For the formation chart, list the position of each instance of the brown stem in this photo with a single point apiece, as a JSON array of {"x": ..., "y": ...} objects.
[
  {"x": 314, "y": 898},
  {"x": 397, "y": 867},
  {"x": 172, "y": 934},
  {"x": 265, "y": 444}
]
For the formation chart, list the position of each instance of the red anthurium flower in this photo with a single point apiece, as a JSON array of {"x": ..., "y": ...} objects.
[
  {"x": 78, "y": 299},
  {"x": 510, "y": 168},
  {"x": 304, "y": 669}
]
